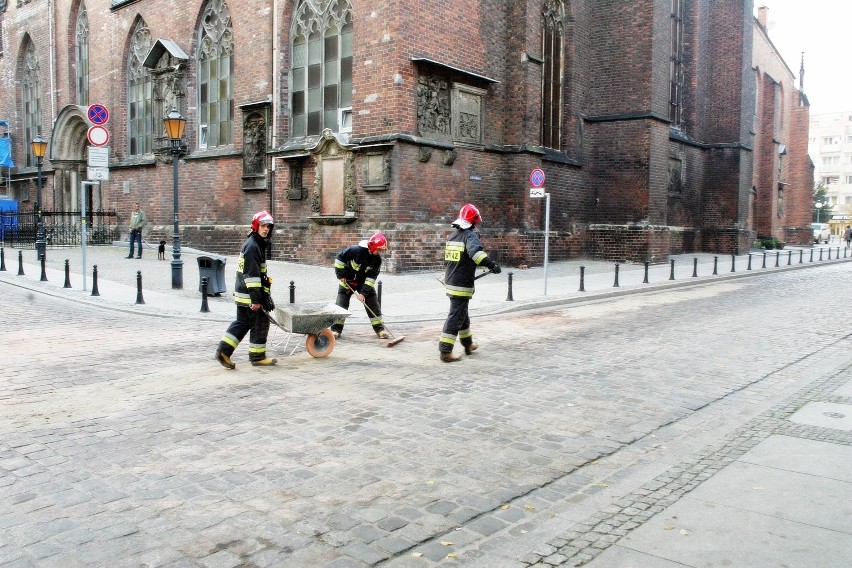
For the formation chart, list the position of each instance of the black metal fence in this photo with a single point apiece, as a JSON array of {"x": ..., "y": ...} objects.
[{"x": 61, "y": 229}]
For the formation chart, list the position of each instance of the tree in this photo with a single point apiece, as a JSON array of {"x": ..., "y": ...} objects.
[{"x": 823, "y": 213}]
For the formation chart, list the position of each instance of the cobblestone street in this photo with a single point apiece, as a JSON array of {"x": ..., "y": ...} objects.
[{"x": 123, "y": 443}]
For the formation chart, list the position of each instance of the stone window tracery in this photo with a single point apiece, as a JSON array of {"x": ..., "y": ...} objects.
[
  {"x": 81, "y": 51},
  {"x": 140, "y": 110},
  {"x": 552, "y": 51},
  {"x": 676, "y": 65},
  {"x": 32, "y": 101},
  {"x": 321, "y": 67},
  {"x": 215, "y": 76}
]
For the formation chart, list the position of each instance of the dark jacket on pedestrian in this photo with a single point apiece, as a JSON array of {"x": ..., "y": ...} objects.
[
  {"x": 358, "y": 267},
  {"x": 463, "y": 253},
  {"x": 253, "y": 284}
]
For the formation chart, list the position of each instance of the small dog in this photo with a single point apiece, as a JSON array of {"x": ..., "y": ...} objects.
[{"x": 161, "y": 251}]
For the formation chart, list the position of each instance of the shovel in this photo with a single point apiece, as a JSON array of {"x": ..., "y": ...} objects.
[
  {"x": 394, "y": 339},
  {"x": 486, "y": 273}
]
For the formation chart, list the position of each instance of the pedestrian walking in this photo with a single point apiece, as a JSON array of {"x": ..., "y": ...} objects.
[
  {"x": 252, "y": 294},
  {"x": 138, "y": 220},
  {"x": 848, "y": 236},
  {"x": 463, "y": 253},
  {"x": 357, "y": 268}
]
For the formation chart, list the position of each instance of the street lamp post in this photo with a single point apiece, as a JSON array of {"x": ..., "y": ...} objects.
[
  {"x": 175, "y": 123},
  {"x": 39, "y": 147},
  {"x": 819, "y": 205}
]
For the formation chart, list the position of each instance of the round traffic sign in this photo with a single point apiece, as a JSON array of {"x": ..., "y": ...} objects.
[
  {"x": 98, "y": 136},
  {"x": 537, "y": 178},
  {"x": 97, "y": 114}
]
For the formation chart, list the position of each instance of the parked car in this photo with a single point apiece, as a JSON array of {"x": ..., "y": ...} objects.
[{"x": 821, "y": 232}]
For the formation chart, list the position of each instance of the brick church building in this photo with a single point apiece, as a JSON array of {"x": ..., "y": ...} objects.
[{"x": 662, "y": 126}]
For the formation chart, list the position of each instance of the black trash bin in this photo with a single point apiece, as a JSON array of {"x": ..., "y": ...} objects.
[{"x": 213, "y": 268}]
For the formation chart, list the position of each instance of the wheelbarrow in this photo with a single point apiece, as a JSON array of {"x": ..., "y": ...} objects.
[{"x": 311, "y": 319}]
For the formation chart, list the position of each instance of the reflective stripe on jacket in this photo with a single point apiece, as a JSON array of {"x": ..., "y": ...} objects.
[
  {"x": 252, "y": 285},
  {"x": 358, "y": 267},
  {"x": 463, "y": 253}
]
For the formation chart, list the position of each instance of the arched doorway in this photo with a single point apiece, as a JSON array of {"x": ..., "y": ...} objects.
[{"x": 68, "y": 157}]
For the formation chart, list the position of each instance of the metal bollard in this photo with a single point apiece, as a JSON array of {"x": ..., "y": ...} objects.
[
  {"x": 695, "y": 267},
  {"x": 733, "y": 263},
  {"x": 789, "y": 257},
  {"x": 67, "y": 275},
  {"x": 801, "y": 254},
  {"x": 44, "y": 274},
  {"x": 812, "y": 255},
  {"x": 139, "y": 299},
  {"x": 292, "y": 292},
  {"x": 582, "y": 278},
  {"x": 645, "y": 281},
  {"x": 829, "y": 253},
  {"x": 715, "y": 265},
  {"x": 749, "y": 262},
  {"x": 509, "y": 297},
  {"x": 777, "y": 257},
  {"x": 820, "y": 254},
  {"x": 671, "y": 276},
  {"x": 615, "y": 285},
  {"x": 764, "y": 260},
  {"x": 2, "y": 260},
  {"x": 95, "y": 281},
  {"x": 379, "y": 293},
  {"x": 204, "y": 307},
  {"x": 20, "y": 263}
]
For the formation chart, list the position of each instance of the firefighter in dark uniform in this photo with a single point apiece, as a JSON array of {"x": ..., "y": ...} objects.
[
  {"x": 252, "y": 296},
  {"x": 463, "y": 253},
  {"x": 357, "y": 269}
]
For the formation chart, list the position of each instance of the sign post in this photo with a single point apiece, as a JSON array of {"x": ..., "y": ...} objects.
[
  {"x": 537, "y": 191},
  {"x": 83, "y": 232}
]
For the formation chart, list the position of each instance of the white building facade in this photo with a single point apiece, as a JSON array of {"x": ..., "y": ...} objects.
[{"x": 830, "y": 148}]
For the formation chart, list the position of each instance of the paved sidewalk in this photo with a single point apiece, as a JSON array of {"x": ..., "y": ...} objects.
[
  {"x": 405, "y": 297},
  {"x": 691, "y": 490}
]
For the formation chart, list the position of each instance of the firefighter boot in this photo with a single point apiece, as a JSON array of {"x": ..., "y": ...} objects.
[
  {"x": 382, "y": 334},
  {"x": 469, "y": 349},
  {"x": 267, "y": 362},
  {"x": 448, "y": 357},
  {"x": 225, "y": 360}
]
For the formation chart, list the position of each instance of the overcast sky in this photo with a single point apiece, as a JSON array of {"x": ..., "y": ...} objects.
[{"x": 820, "y": 28}]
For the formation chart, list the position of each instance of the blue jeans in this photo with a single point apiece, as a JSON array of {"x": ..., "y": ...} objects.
[{"x": 136, "y": 235}]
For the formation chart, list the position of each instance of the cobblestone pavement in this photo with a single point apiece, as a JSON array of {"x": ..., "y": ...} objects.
[{"x": 122, "y": 443}]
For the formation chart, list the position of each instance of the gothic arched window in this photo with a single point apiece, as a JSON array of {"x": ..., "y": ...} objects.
[
  {"x": 321, "y": 67},
  {"x": 81, "y": 50},
  {"x": 676, "y": 67},
  {"x": 139, "y": 94},
  {"x": 215, "y": 76},
  {"x": 552, "y": 51},
  {"x": 32, "y": 101}
]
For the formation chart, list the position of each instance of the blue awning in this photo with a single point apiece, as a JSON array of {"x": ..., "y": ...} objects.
[{"x": 6, "y": 153}]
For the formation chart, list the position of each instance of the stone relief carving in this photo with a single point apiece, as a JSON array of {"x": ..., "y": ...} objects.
[
  {"x": 330, "y": 149},
  {"x": 467, "y": 114},
  {"x": 433, "y": 107},
  {"x": 425, "y": 153},
  {"x": 254, "y": 144},
  {"x": 675, "y": 178}
]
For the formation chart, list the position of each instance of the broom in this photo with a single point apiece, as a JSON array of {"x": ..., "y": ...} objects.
[{"x": 394, "y": 339}]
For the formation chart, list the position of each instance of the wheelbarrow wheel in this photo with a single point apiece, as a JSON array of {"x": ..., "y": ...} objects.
[{"x": 321, "y": 344}]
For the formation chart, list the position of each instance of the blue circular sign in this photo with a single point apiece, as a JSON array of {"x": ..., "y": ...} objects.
[
  {"x": 97, "y": 114},
  {"x": 537, "y": 178}
]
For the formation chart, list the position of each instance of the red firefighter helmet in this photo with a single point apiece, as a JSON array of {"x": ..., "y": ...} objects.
[
  {"x": 261, "y": 218},
  {"x": 470, "y": 214},
  {"x": 377, "y": 242}
]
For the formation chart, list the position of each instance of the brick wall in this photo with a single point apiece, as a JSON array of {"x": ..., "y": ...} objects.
[{"x": 609, "y": 187}]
